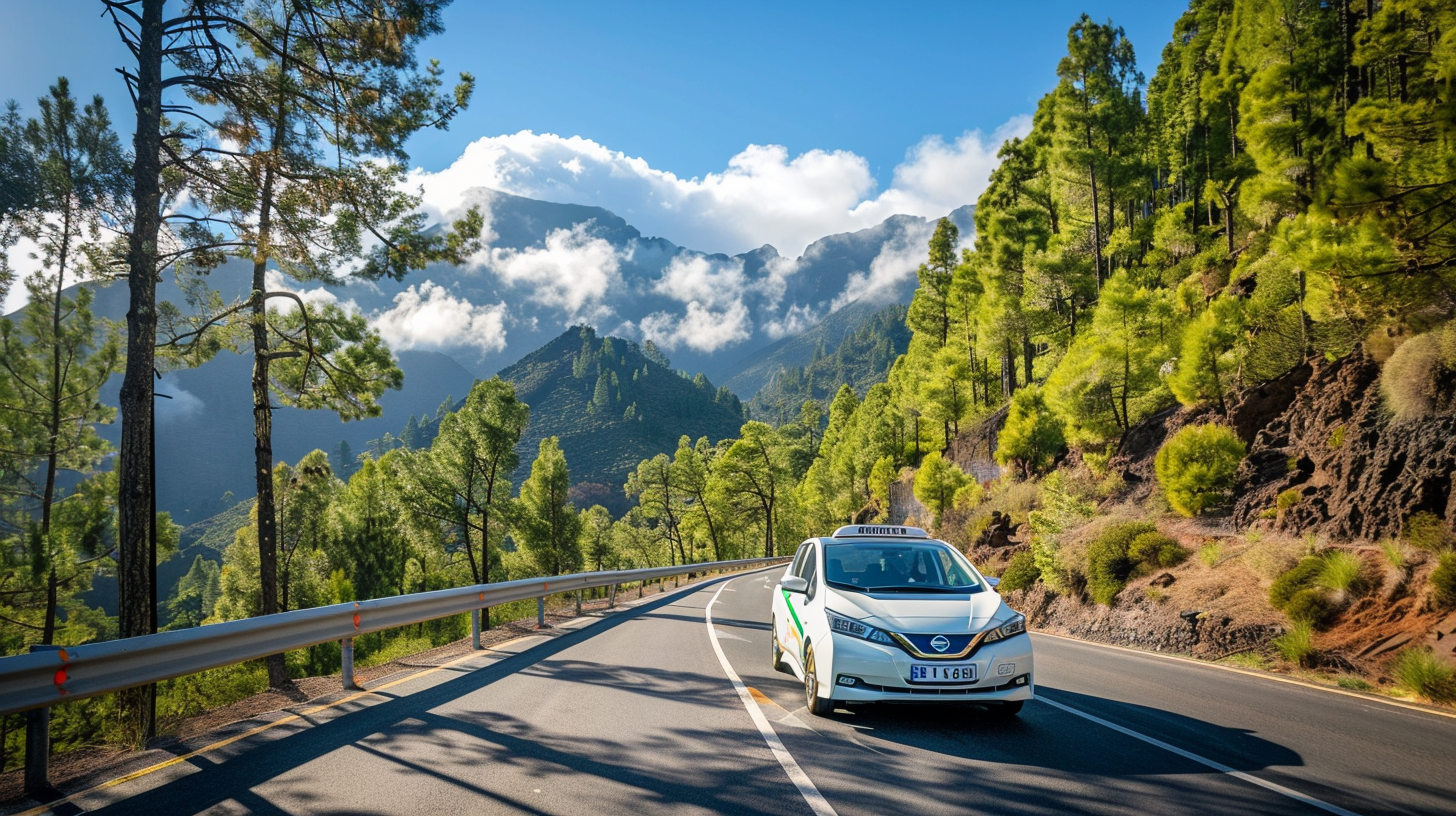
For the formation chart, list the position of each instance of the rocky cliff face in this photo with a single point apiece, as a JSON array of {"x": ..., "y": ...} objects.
[{"x": 1356, "y": 473}]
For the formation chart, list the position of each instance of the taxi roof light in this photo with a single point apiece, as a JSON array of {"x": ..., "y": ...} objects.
[{"x": 879, "y": 531}]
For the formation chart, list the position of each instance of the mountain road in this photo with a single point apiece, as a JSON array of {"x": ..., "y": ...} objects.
[{"x": 638, "y": 712}]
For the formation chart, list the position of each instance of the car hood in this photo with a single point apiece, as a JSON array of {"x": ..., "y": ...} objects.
[{"x": 901, "y": 612}]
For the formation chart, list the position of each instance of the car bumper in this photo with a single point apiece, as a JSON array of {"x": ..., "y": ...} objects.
[{"x": 1004, "y": 673}]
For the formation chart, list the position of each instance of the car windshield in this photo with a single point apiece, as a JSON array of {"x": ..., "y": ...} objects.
[{"x": 898, "y": 567}]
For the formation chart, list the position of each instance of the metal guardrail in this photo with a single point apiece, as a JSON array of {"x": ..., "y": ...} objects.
[{"x": 42, "y": 679}]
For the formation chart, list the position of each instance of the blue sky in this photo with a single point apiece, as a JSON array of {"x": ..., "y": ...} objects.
[
  {"x": 718, "y": 126},
  {"x": 687, "y": 85}
]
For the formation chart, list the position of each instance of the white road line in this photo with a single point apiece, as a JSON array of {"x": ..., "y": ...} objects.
[
  {"x": 1217, "y": 766},
  {"x": 811, "y": 794}
]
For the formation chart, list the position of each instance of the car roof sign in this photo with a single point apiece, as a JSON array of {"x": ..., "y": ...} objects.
[{"x": 879, "y": 531}]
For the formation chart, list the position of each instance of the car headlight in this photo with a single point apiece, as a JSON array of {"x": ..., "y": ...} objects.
[
  {"x": 1015, "y": 626},
  {"x": 841, "y": 625}
]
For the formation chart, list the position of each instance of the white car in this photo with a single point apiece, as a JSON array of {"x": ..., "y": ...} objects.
[{"x": 884, "y": 613}]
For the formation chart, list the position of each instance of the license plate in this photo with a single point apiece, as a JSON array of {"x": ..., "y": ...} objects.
[{"x": 931, "y": 673}]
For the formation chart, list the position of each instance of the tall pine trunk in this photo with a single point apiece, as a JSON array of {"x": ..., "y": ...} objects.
[
  {"x": 53, "y": 430},
  {"x": 134, "y": 470}
]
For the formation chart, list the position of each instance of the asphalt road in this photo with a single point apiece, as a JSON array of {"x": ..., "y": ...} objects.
[{"x": 635, "y": 714}]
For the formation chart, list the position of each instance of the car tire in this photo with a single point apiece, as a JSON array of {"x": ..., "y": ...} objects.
[
  {"x": 818, "y": 706},
  {"x": 1005, "y": 711},
  {"x": 777, "y": 653}
]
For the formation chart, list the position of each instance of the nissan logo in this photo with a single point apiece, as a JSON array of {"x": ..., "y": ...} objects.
[{"x": 940, "y": 643}]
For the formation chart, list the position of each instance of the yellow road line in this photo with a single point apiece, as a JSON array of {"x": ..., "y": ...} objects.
[
  {"x": 49, "y": 807},
  {"x": 1293, "y": 681}
]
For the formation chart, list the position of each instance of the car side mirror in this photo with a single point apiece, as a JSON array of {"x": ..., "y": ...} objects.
[
  {"x": 994, "y": 582},
  {"x": 793, "y": 583}
]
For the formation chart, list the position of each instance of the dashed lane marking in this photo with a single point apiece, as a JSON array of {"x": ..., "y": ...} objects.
[{"x": 811, "y": 794}]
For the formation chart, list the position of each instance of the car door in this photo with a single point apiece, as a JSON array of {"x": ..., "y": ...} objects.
[
  {"x": 786, "y": 627},
  {"x": 810, "y": 606}
]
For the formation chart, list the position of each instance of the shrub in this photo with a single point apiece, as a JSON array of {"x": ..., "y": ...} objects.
[
  {"x": 1210, "y": 553},
  {"x": 1108, "y": 562},
  {"x": 1415, "y": 380},
  {"x": 1020, "y": 572},
  {"x": 1313, "y": 606},
  {"x": 1341, "y": 572},
  {"x": 1297, "y": 644},
  {"x": 1288, "y": 499},
  {"x": 1423, "y": 674},
  {"x": 1337, "y": 437},
  {"x": 1196, "y": 467},
  {"x": 1443, "y": 581},
  {"x": 1300, "y": 576},
  {"x": 1426, "y": 531},
  {"x": 1156, "y": 550},
  {"x": 968, "y": 497},
  {"x": 936, "y": 483}
]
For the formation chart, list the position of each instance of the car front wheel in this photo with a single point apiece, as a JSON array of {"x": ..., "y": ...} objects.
[
  {"x": 818, "y": 706},
  {"x": 776, "y": 653}
]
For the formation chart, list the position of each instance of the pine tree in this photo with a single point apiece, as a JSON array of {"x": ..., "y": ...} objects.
[
  {"x": 57, "y": 359},
  {"x": 547, "y": 526}
]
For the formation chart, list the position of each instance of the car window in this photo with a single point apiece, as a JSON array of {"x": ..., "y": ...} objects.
[
  {"x": 808, "y": 569},
  {"x": 798, "y": 563}
]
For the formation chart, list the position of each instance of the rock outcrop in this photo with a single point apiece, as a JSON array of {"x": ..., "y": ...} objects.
[{"x": 1354, "y": 473}]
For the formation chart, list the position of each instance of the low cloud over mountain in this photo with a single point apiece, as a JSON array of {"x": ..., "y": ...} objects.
[{"x": 764, "y": 195}]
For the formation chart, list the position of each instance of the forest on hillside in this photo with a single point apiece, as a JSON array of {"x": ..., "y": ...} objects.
[{"x": 1281, "y": 191}]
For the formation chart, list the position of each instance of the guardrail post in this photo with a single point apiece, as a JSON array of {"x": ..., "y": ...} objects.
[
  {"x": 38, "y": 741},
  {"x": 578, "y": 603},
  {"x": 541, "y": 612},
  {"x": 475, "y": 629},
  {"x": 346, "y": 652},
  {"x": 612, "y": 597}
]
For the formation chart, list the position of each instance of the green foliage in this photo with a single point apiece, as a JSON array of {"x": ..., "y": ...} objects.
[
  {"x": 547, "y": 526},
  {"x": 1420, "y": 672},
  {"x": 1109, "y": 559},
  {"x": 1313, "y": 606},
  {"x": 1061, "y": 511},
  {"x": 1342, "y": 572},
  {"x": 1020, "y": 573},
  {"x": 1394, "y": 553},
  {"x": 1301, "y": 576},
  {"x": 860, "y": 360},
  {"x": 1419, "y": 378},
  {"x": 1288, "y": 499},
  {"x": 1156, "y": 550},
  {"x": 1196, "y": 467},
  {"x": 1032, "y": 436},
  {"x": 1426, "y": 531},
  {"x": 1206, "y": 365},
  {"x": 1210, "y": 554},
  {"x": 1443, "y": 581},
  {"x": 1297, "y": 644},
  {"x": 936, "y": 483},
  {"x": 1302, "y": 594}
]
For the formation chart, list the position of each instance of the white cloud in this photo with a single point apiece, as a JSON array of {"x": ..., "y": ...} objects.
[
  {"x": 573, "y": 271},
  {"x": 430, "y": 317},
  {"x": 798, "y": 318},
  {"x": 896, "y": 263},
  {"x": 276, "y": 281},
  {"x": 691, "y": 278},
  {"x": 763, "y": 195},
  {"x": 182, "y": 405},
  {"x": 701, "y": 328}
]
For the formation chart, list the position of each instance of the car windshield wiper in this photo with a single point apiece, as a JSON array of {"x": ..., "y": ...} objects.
[{"x": 840, "y": 585}]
